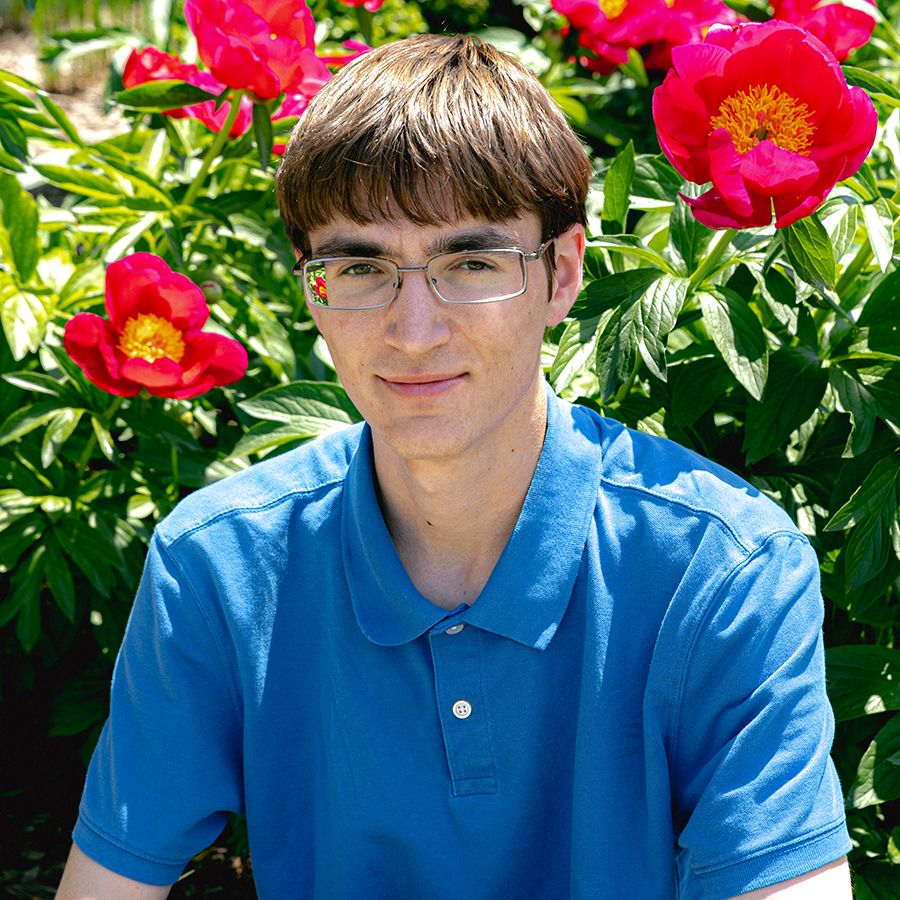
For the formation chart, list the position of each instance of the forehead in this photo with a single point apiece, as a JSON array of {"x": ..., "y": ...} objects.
[{"x": 401, "y": 239}]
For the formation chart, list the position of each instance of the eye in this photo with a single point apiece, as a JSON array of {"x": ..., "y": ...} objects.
[
  {"x": 473, "y": 264},
  {"x": 360, "y": 267}
]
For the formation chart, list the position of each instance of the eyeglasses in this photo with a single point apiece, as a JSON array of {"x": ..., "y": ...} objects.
[{"x": 472, "y": 276}]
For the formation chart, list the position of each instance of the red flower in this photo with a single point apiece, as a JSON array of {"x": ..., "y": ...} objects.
[
  {"x": 609, "y": 27},
  {"x": 370, "y": 5},
  {"x": 840, "y": 28},
  {"x": 153, "y": 338},
  {"x": 762, "y": 111},
  {"x": 266, "y": 47},
  {"x": 686, "y": 23},
  {"x": 151, "y": 64}
]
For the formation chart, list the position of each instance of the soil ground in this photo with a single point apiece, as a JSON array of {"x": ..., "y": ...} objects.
[{"x": 79, "y": 91}]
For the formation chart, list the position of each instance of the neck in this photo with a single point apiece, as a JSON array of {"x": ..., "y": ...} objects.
[{"x": 451, "y": 519}]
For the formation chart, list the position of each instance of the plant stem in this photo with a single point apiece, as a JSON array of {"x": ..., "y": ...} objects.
[
  {"x": 720, "y": 245},
  {"x": 216, "y": 148}
]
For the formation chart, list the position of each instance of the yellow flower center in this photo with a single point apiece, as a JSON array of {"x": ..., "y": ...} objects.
[
  {"x": 612, "y": 9},
  {"x": 151, "y": 338},
  {"x": 765, "y": 113}
]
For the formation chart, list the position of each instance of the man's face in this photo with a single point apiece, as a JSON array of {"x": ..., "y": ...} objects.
[{"x": 435, "y": 380}]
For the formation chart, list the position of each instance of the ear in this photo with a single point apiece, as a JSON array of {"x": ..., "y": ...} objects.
[{"x": 566, "y": 282}]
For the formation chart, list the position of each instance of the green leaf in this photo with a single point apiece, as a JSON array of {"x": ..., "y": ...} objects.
[
  {"x": 56, "y": 571},
  {"x": 35, "y": 381},
  {"x": 872, "y": 512},
  {"x": 56, "y": 112},
  {"x": 617, "y": 189},
  {"x": 158, "y": 96},
  {"x": 24, "y": 317},
  {"x": 24, "y": 599},
  {"x": 616, "y": 347},
  {"x": 26, "y": 419},
  {"x": 880, "y": 226},
  {"x": 862, "y": 680},
  {"x": 878, "y": 776},
  {"x": 658, "y": 310},
  {"x": 59, "y": 430},
  {"x": 696, "y": 384},
  {"x": 872, "y": 83},
  {"x": 611, "y": 290},
  {"x": 631, "y": 245},
  {"x": 844, "y": 232},
  {"x": 656, "y": 179},
  {"x": 12, "y": 138},
  {"x": 80, "y": 181},
  {"x": 794, "y": 388},
  {"x": 738, "y": 335},
  {"x": 19, "y": 219},
  {"x": 853, "y": 398},
  {"x": 639, "y": 325},
  {"x": 309, "y": 407},
  {"x": 263, "y": 134},
  {"x": 808, "y": 247},
  {"x": 576, "y": 349},
  {"x": 265, "y": 436},
  {"x": 688, "y": 239}
]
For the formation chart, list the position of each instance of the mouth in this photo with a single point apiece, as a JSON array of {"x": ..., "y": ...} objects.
[{"x": 425, "y": 385}]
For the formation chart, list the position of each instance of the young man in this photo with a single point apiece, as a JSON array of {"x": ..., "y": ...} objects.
[{"x": 488, "y": 645}]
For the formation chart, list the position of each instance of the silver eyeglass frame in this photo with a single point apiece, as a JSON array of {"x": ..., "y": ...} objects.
[{"x": 300, "y": 268}]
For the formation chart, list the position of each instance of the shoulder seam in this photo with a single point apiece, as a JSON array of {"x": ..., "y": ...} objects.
[
  {"x": 170, "y": 543},
  {"x": 694, "y": 507}
]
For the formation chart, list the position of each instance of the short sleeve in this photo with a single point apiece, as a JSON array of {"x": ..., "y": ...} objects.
[
  {"x": 755, "y": 792},
  {"x": 167, "y": 768}
]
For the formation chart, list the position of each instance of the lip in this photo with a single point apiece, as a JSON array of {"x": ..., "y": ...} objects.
[{"x": 428, "y": 385}]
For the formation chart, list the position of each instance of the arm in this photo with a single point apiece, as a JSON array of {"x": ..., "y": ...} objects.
[
  {"x": 84, "y": 879},
  {"x": 831, "y": 882}
]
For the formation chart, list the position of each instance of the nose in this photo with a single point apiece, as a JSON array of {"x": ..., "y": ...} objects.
[{"x": 417, "y": 319}]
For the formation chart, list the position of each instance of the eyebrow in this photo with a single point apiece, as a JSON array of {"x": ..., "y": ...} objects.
[{"x": 483, "y": 238}]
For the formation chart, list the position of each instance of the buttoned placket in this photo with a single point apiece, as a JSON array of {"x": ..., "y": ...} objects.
[{"x": 456, "y": 653}]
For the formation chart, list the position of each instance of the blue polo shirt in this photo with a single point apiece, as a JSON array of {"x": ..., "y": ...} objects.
[{"x": 633, "y": 708}]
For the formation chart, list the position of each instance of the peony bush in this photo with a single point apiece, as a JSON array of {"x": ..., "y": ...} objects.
[{"x": 741, "y": 297}]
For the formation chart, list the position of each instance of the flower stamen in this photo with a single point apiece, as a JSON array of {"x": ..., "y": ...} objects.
[
  {"x": 765, "y": 113},
  {"x": 612, "y": 9},
  {"x": 151, "y": 337}
]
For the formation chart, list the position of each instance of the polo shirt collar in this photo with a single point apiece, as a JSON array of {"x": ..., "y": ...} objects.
[{"x": 528, "y": 591}]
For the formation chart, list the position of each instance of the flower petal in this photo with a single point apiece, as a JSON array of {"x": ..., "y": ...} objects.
[
  {"x": 125, "y": 281},
  {"x": 85, "y": 339},
  {"x": 711, "y": 210},
  {"x": 161, "y": 373},
  {"x": 772, "y": 170},
  {"x": 725, "y": 165}
]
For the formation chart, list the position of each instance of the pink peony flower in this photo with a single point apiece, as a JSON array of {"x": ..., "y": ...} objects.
[
  {"x": 370, "y": 5},
  {"x": 266, "y": 47},
  {"x": 609, "y": 27},
  {"x": 686, "y": 23},
  {"x": 840, "y": 28},
  {"x": 151, "y": 64},
  {"x": 762, "y": 111},
  {"x": 153, "y": 338}
]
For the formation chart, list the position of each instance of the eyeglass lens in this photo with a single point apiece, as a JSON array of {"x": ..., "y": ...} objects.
[{"x": 358, "y": 283}]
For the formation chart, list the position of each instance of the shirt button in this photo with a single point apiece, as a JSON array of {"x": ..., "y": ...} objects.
[
  {"x": 456, "y": 629},
  {"x": 462, "y": 709}
]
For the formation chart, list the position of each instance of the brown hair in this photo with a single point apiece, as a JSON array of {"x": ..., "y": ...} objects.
[{"x": 428, "y": 127}]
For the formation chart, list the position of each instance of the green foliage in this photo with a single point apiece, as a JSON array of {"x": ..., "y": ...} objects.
[{"x": 776, "y": 354}]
